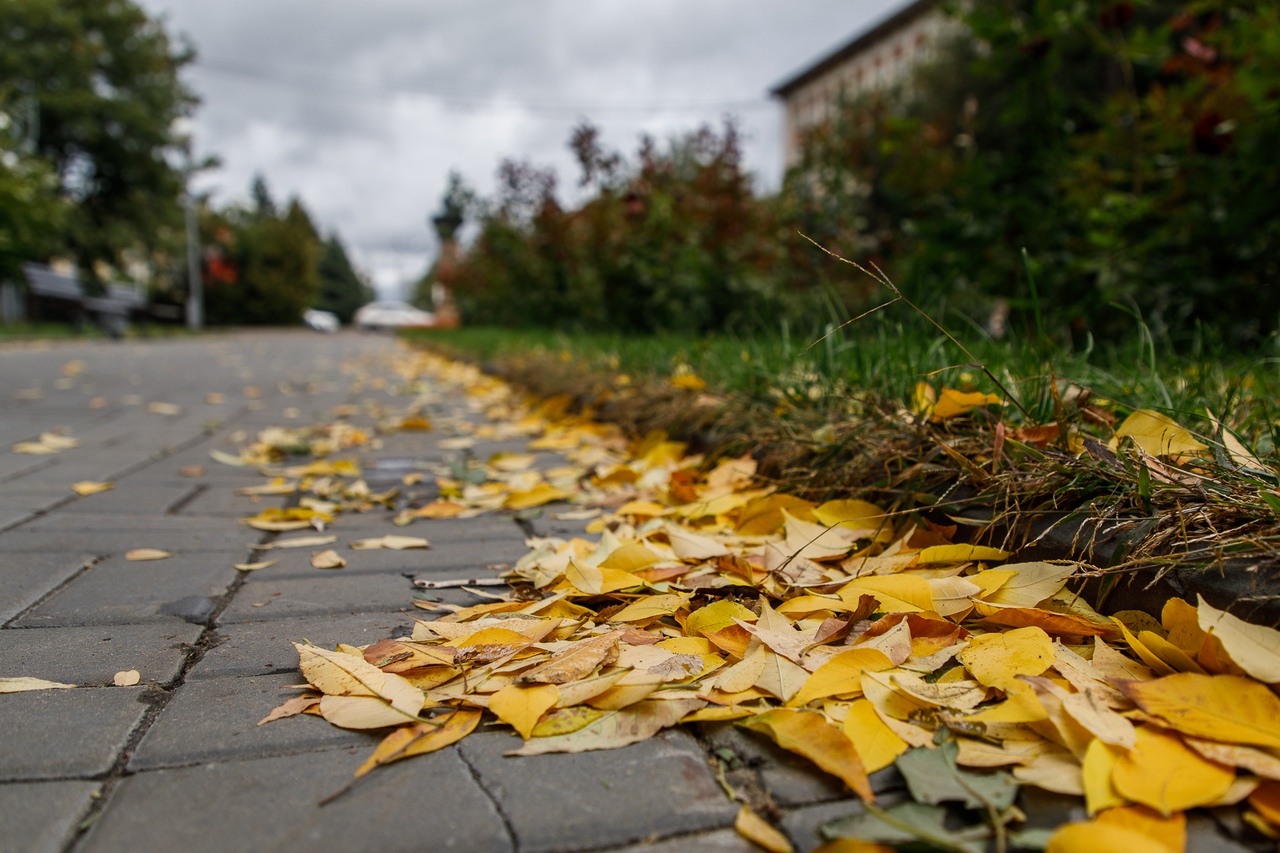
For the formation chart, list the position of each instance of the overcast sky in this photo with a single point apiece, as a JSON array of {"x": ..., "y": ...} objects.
[{"x": 362, "y": 108}]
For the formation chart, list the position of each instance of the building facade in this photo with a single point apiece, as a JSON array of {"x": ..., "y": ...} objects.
[{"x": 877, "y": 58}]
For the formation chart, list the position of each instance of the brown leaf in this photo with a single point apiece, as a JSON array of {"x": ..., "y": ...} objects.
[
  {"x": 574, "y": 663},
  {"x": 290, "y": 708}
]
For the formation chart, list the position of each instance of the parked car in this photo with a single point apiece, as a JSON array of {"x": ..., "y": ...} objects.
[
  {"x": 390, "y": 314},
  {"x": 321, "y": 321}
]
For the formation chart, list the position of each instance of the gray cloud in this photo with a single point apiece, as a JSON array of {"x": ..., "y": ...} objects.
[{"x": 361, "y": 109}]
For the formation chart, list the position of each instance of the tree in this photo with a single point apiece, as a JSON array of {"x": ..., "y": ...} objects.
[
  {"x": 103, "y": 78},
  {"x": 30, "y": 211},
  {"x": 341, "y": 289}
]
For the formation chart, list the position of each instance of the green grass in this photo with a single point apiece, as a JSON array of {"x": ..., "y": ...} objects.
[{"x": 886, "y": 354}]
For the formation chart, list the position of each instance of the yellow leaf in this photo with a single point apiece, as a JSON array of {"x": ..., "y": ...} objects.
[
  {"x": 687, "y": 380},
  {"x": 421, "y": 738},
  {"x": 440, "y": 509},
  {"x": 615, "y": 728},
  {"x": 1226, "y": 708},
  {"x": 1163, "y": 773},
  {"x": 693, "y": 547},
  {"x": 1096, "y": 767},
  {"x": 757, "y": 830},
  {"x": 590, "y": 580},
  {"x": 876, "y": 744},
  {"x": 1033, "y": 583},
  {"x": 1095, "y": 837},
  {"x": 543, "y": 493},
  {"x": 328, "y": 559},
  {"x": 779, "y": 676},
  {"x": 1150, "y": 658},
  {"x": 1253, "y": 648},
  {"x": 651, "y": 607},
  {"x": 1157, "y": 434},
  {"x": 521, "y": 706},
  {"x": 300, "y": 542},
  {"x": 341, "y": 675},
  {"x": 630, "y": 557},
  {"x": 896, "y": 593},
  {"x": 90, "y": 487},
  {"x": 391, "y": 542},
  {"x": 21, "y": 684},
  {"x": 251, "y": 567},
  {"x": 138, "y": 554},
  {"x": 952, "y": 403},
  {"x": 563, "y": 721},
  {"x": 855, "y": 515},
  {"x": 716, "y": 616},
  {"x": 941, "y": 554},
  {"x": 1181, "y": 621},
  {"x": 810, "y": 735},
  {"x": 998, "y": 659},
  {"x": 840, "y": 675},
  {"x": 127, "y": 678}
]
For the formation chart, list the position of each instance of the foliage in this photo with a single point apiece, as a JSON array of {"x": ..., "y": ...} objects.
[
  {"x": 103, "y": 78},
  {"x": 342, "y": 290},
  {"x": 669, "y": 240},
  {"x": 1128, "y": 147},
  {"x": 30, "y": 211},
  {"x": 261, "y": 265}
]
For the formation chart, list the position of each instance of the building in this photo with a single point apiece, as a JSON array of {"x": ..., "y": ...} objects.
[{"x": 874, "y": 59}]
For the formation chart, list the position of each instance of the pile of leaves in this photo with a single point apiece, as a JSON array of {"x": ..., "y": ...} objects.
[{"x": 851, "y": 634}]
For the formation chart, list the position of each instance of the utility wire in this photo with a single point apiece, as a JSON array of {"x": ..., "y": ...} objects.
[{"x": 315, "y": 81}]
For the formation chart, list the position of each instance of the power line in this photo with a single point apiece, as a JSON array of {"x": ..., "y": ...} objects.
[{"x": 318, "y": 82}]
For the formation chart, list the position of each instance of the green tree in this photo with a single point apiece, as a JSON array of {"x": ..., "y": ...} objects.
[
  {"x": 341, "y": 289},
  {"x": 30, "y": 211},
  {"x": 104, "y": 80},
  {"x": 274, "y": 261}
]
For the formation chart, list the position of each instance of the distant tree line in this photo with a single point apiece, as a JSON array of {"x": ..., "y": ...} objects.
[
  {"x": 1129, "y": 148},
  {"x": 94, "y": 162}
]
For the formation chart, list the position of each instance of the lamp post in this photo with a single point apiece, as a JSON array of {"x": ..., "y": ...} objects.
[{"x": 182, "y": 128}]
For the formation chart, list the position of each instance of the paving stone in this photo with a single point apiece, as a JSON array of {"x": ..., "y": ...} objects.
[
  {"x": 597, "y": 799},
  {"x": 425, "y": 803},
  {"x": 40, "y": 817},
  {"x": 330, "y": 592},
  {"x": 93, "y": 655},
  {"x": 129, "y": 499},
  {"x": 16, "y": 466},
  {"x": 26, "y": 578},
  {"x": 117, "y": 591},
  {"x": 720, "y": 841},
  {"x": 216, "y": 719},
  {"x": 56, "y": 734},
  {"x": 259, "y": 648},
  {"x": 101, "y": 536},
  {"x": 221, "y": 501}
]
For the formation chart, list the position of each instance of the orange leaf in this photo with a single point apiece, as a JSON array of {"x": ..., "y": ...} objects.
[{"x": 810, "y": 735}]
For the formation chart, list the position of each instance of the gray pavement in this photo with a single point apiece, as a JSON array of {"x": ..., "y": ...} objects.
[{"x": 178, "y": 762}]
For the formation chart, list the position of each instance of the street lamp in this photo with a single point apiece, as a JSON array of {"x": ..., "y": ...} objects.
[{"x": 183, "y": 129}]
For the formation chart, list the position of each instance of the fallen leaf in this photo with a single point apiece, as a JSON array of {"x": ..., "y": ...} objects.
[
  {"x": 1163, "y": 773},
  {"x": 21, "y": 684},
  {"x": 1254, "y": 648},
  {"x": 127, "y": 678},
  {"x": 290, "y": 708},
  {"x": 810, "y": 735},
  {"x": 158, "y": 408},
  {"x": 842, "y": 674},
  {"x": 933, "y": 777},
  {"x": 1225, "y": 708},
  {"x": 1157, "y": 434},
  {"x": 139, "y": 554},
  {"x": 299, "y": 542},
  {"x": 391, "y": 542},
  {"x": 90, "y": 487},
  {"x": 251, "y": 567},
  {"x": 1032, "y": 584},
  {"x": 614, "y": 729},
  {"x": 421, "y": 738},
  {"x": 520, "y": 706},
  {"x": 329, "y": 559},
  {"x": 941, "y": 554},
  {"x": 574, "y": 663},
  {"x": 998, "y": 659},
  {"x": 876, "y": 744},
  {"x": 760, "y": 832},
  {"x": 349, "y": 677}
]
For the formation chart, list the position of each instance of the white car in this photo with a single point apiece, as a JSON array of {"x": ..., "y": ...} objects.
[
  {"x": 321, "y": 321},
  {"x": 390, "y": 314}
]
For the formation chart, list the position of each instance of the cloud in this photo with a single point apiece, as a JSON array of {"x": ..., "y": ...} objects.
[{"x": 362, "y": 109}]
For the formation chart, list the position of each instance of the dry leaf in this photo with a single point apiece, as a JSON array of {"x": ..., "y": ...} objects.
[
  {"x": 139, "y": 554},
  {"x": 520, "y": 706},
  {"x": 300, "y": 542},
  {"x": 1161, "y": 772},
  {"x": 1225, "y": 708},
  {"x": 329, "y": 559},
  {"x": 1157, "y": 435},
  {"x": 127, "y": 678},
  {"x": 574, "y": 663},
  {"x": 21, "y": 684},
  {"x": 90, "y": 487},
  {"x": 760, "y": 832},
  {"x": 391, "y": 542},
  {"x": 290, "y": 708},
  {"x": 1254, "y": 648},
  {"x": 421, "y": 738},
  {"x": 614, "y": 729},
  {"x": 251, "y": 567},
  {"x": 811, "y": 736}
]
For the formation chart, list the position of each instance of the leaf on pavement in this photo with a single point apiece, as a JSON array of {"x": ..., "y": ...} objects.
[
  {"x": 328, "y": 559},
  {"x": 615, "y": 729},
  {"x": 391, "y": 542},
  {"x": 126, "y": 678},
  {"x": 21, "y": 684},
  {"x": 520, "y": 706},
  {"x": 290, "y": 708},
  {"x": 140, "y": 554},
  {"x": 91, "y": 487},
  {"x": 810, "y": 735},
  {"x": 998, "y": 659},
  {"x": 574, "y": 663},
  {"x": 422, "y": 738},
  {"x": 760, "y": 832}
]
